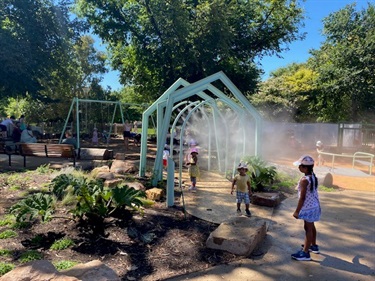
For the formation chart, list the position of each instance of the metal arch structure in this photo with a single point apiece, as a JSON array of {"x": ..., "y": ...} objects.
[
  {"x": 75, "y": 103},
  {"x": 182, "y": 90}
]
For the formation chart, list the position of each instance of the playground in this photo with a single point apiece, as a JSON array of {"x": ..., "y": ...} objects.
[{"x": 178, "y": 245}]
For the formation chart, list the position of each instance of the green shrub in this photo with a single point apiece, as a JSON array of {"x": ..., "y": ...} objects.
[
  {"x": 284, "y": 180},
  {"x": 7, "y": 234},
  {"x": 62, "y": 244},
  {"x": 326, "y": 189},
  {"x": 36, "y": 205},
  {"x": 30, "y": 256},
  {"x": 21, "y": 225},
  {"x": 63, "y": 265},
  {"x": 44, "y": 169},
  {"x": 5, "y": 252},
  {"x": 261, "y": 174},
  {"x": 7, "y": 220},
  {"x": 5, "y": 268}
]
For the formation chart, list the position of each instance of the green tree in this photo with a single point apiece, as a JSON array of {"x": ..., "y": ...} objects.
[
  {"x": 288, "y": 95},
  {"x": 33, "y": 36},
  {"x": 154, "y": 42},
  {"x": 346, "y": 66}
]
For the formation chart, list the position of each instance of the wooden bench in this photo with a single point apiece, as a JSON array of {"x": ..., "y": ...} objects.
[
  {"x": 47, "y": 150},
  {"x": 364, "y": 155},
  {"x": 8, "y": 147}
]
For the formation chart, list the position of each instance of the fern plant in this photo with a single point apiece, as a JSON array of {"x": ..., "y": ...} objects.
[{"x": 261, "y": 174}]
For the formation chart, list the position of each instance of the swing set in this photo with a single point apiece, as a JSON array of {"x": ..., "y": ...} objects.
[{"x": 84, "y": 117}]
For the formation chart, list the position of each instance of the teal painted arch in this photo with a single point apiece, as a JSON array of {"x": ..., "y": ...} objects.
[{"x": 182, "y": 90}]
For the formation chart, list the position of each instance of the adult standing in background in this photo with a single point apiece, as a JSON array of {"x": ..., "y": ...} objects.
[
  {"x": 22, "y": 122},
  {"x": 7, "y": 126},
  {"x": 127, "y": 135}
]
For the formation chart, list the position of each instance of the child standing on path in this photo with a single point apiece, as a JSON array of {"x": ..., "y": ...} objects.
[
  {"x": 308, "y": 207},
  {"x": 126, "y": 134},
  {"x": 242, "y": 181},
  {"x": 193, "y": 169}
]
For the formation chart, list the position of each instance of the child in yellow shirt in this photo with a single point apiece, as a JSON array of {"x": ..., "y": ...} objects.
[{"x": 243, "y": 191}]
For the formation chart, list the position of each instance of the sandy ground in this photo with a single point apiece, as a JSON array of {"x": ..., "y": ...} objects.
[{"x": 361, "y": 181}]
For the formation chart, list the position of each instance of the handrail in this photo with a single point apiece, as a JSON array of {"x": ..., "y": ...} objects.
[
  {"x": 364, "y": 155},
  {"x": 355, "y": 156}
]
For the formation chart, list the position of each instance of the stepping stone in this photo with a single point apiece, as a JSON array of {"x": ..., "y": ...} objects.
[
  {"x": 268, "y": 199},
  {"x": 238, "y": 235}
]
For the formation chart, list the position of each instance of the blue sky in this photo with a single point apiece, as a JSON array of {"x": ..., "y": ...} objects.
[{"x": 315, "y": 11}]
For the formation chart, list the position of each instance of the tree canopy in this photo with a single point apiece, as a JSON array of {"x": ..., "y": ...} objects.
[
  {"x": 34, "y": 38},
  {"x": 337, "y": 83},
  {"x": 46, "y": 59},
  {"x": 155, "y": 42},
  {"x": 346, "y": 66}
]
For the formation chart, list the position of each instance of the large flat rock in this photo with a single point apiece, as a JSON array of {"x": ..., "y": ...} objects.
[{"x": 238, "y": 235}]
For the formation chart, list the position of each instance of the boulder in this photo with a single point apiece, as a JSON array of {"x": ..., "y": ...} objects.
[
  {"x": 111, "y": 183},
  {"x": 43, "y": 270},
  {"x": 123, "y": 167},
  {"x": 136, "y": 185},
  {"x": 105, "y": 176},
  {"x": 268, "y": 199},
  {"x": 238, "y": 235},
  {"x": 101, "y": 169},
  {"x": 120, "y": 156},
  {"x": 154, "y": 193},
  {"x": 92, "y": 271}
]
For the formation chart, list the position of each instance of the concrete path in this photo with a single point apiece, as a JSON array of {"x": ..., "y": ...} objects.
[{"x": 346, "y": 236}]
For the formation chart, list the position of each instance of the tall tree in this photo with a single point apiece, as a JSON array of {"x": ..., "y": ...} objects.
[
  {"x": 288, "y": 95},
  {"x": 34, "y": 40},
  {"x": 154, "y": 42},
  {"x": 346, "y": 66}
]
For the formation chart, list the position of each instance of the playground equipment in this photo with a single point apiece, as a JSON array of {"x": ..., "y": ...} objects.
[
  {"x": 79, "y": 105},
  {"x": 363, "y": 158},
  {"x": 209, "y": 96}
]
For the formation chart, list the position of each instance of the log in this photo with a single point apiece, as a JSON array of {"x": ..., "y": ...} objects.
[{"x": 95, "y": 154}]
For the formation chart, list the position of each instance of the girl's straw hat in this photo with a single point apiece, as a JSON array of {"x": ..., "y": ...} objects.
[{"x": 242, "y": 166}]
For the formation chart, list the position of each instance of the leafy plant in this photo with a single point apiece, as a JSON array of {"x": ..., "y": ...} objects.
[
  {"x": 261, "y": 174},
  {"x": 63, "y": 265},
  {"x": 7, "y": 220},
  {"x": 125, "y": 196},
  {"x": 44, "y": 169},
  {"x": 62, "y": 244},
  {"x": 7, "y": 234},
  {"x": 21, "y": 225},
  {"x": 5, "y": 267},
  {"x": 36, "y": 205},
  {"x": 284, "y": 180},
  {"x": 30, "y": 256},
  {"x": 5, "y": 252},
  {"x": 60, "y": 184},
  {"x": 326, "y": 189}
]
